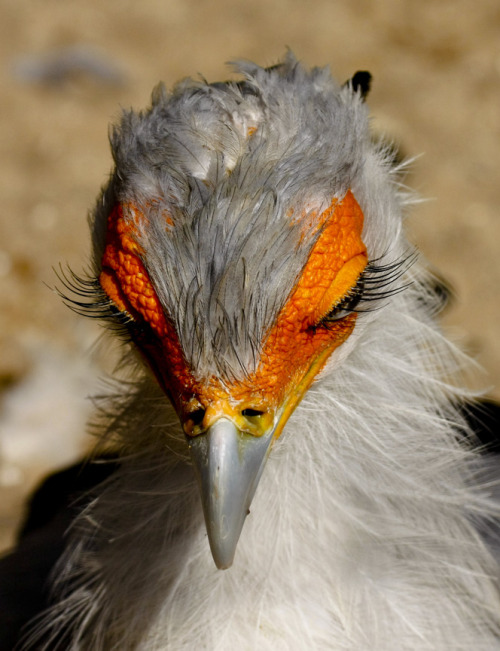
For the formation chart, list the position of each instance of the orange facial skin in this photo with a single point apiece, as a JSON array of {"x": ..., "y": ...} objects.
[
  {"x": 296, "y": 347},
  {"x": 126, "y": 282}
]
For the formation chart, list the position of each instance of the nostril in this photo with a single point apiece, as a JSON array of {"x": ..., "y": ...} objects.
[
  {"x": 197, "y": 416},
  {"x": 251, "y": 413}
]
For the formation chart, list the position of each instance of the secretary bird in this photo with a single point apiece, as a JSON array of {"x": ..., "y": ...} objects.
[{"x": 280, "y": 334}]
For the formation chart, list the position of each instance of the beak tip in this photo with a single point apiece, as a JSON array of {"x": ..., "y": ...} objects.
[
  {"x": 223, "y": 565},
  {"x": 223, "y": 542}
]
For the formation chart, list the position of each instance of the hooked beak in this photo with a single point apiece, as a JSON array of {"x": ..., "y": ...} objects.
[{"x": 228, "y": 463}]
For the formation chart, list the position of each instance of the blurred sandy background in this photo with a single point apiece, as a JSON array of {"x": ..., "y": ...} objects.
[{"x": 436, "y": 91}]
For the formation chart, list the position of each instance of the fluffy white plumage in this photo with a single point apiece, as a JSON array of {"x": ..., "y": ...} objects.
[{"x": 363, "y": 533}]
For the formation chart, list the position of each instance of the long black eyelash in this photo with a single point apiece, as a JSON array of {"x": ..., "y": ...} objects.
[
  {"x": 373, "y": 285},
  {"x": 378, "y": 278},
  {"x": 85, "y": 296}
]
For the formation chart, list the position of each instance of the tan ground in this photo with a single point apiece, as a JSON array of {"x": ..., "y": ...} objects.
[{"x": 436, "y": 91}]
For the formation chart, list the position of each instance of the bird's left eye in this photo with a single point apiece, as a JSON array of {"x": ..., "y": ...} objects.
[{"x": 346, "y": 305}]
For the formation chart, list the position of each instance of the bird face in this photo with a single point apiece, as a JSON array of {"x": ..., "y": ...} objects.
[
  {"x": 231, "y": 249},
  {"x": 230, "y": 423}
]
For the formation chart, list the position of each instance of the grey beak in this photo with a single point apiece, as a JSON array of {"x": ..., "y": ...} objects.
[{"x": 228, "y": 464}]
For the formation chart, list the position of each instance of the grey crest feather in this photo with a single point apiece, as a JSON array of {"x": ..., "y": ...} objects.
[{"x": 235, "y": 165}]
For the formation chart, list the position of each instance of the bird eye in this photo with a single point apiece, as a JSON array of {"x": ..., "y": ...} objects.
[{"x": 346, "y": 305}]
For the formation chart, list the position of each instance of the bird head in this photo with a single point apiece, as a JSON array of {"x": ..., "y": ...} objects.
[{"x": 230, "y": 244}]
